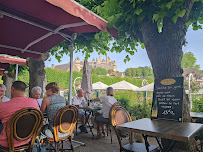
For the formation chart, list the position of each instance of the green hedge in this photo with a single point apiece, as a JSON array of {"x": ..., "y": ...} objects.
[
  {"x": 134, "y": 103},
  {"x": 197, "y": 103},
  {"x": 24, "y": 76},
  {"x": 62, "y": 78}
]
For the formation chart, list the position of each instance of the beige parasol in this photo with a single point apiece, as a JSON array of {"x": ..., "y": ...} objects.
[
  {"x": 87, "y": 81},
  {"x": 124, "y": 85},
  {"x": 149, "y": 87},
  {"x": 99, "y": 86}
]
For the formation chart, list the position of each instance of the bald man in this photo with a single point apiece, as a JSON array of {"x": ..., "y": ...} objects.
[{"x": 80, "y": 101}]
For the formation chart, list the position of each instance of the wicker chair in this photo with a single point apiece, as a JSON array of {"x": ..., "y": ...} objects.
[
  {"x": 109, "y": 125},
  {"x": 64, "y": 122},
  {"x": 22, "y": 125},
  {"x": 119, "y": 115}
]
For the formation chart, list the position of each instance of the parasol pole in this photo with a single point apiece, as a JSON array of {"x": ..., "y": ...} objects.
[
  {"x": 71, "y": 68},
  {"x": 16, "y": 72},
  {"x": 71, "y": 72}
]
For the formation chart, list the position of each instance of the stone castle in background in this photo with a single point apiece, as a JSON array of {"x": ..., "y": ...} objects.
[{"x": 78, "y": 65}]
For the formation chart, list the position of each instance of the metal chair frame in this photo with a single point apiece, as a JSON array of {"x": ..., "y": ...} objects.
[
  {"x": 58, "y": 127},
  {"x": 114, "y": 110}
]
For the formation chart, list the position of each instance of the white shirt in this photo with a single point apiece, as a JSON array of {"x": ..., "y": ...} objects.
[
  {"x": 81, "y": 102},
  {"x": 107, "y": 102},
  {"x": 5, "y": 99},
  {"x": 40, "y": 101}
]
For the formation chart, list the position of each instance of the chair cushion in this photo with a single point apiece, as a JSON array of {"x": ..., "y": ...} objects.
[
  {"x": 123, "y": 134},
  {"x": 138, "y": 147}
]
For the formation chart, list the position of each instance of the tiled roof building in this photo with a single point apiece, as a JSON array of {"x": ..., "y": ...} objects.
[{"x": 196, "y": 75}]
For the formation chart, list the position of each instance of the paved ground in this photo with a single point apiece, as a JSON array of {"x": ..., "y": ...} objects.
[{"x": 102, "y": 144}]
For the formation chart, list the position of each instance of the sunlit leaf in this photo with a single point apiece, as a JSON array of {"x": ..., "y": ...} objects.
[
  {"x": 142, "y": 46},
  {"x": 155, "y": 17},
  {"x": 169, "y": 4},
  {"x": 138, "y": 11},
  {"x": 182, "y": 13},
  {"x": 174, "y": 18}
]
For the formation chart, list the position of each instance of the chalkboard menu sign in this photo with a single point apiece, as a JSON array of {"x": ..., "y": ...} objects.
[{"x": 168, "y": 98}]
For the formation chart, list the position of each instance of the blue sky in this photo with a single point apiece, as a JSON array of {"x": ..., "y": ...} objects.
[{"x": 195, "y": 45}]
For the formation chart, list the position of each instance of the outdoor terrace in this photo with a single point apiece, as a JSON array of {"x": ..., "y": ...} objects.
[{"x": 102, "y": 144}]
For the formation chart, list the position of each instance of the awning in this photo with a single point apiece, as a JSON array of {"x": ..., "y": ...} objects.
[
  {"x": 3, "y": 66},
  {"x": 6, "y": 61},
  {"x": 29, "y": 28},
  {"x": 149, "y": 87},
  {"x": 124, "y": 85},
  {"x": 12, "y": 60},
  {"x": 99, "y": 86}
]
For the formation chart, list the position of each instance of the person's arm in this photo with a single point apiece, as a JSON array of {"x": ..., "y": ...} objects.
[
  {"x": 1, "y": 98},
  {"x": 73, "y": 101},
  {"x": 3, "y": 109},
  {"x": 84, "y": 102},
  {"x": 45, "y": 104},
  {"x": 96, "y": 99}
]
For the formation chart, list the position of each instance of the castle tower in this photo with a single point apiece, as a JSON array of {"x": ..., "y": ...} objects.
[
  {"x": 107, "y": 58},
  {"x": 52, "y": 66},
  {"x": 114, "y": 66},
  {"x": 77, "y": 60},
  {"x": 99, "y": 60},
  {"x": 77, "y": 63}
]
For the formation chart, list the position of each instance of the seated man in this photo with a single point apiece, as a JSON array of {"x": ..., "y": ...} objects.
[
  {"x": 17, "y": 102},
  {"x": 80, "y": 101}
]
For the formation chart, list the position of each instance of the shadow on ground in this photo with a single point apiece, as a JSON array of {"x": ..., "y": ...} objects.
[{"x": 102, "y": 144}]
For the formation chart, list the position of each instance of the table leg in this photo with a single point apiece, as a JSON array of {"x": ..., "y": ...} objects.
[
  {"x": 91, "y": 129},
  {"x": 146, "y": 142},
  {"x": 87, "y": 121},
  {"x": 170, "y": 147},
  {"x": 158, "y": 141}
]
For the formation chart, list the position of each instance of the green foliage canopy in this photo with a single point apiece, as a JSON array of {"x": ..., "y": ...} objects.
[
  {"x": 128, "y": 16},
  {"x": 139, "y": 72},
  {"x": 189, "y": 61},
  {"x": 99, "y": 71}
]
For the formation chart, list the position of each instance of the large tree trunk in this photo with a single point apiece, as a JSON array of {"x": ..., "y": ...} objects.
[
  {"x": 8, "y": 79},
  {"x": 165, "y": 52},
  {"x": 37, "y": 73}
]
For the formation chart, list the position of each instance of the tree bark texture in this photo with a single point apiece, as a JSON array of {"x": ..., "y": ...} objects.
[
  {"x": 8, "y": 79},
  {"x": 37, "y": 73},
  {"x": 164, "y": 50}
]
